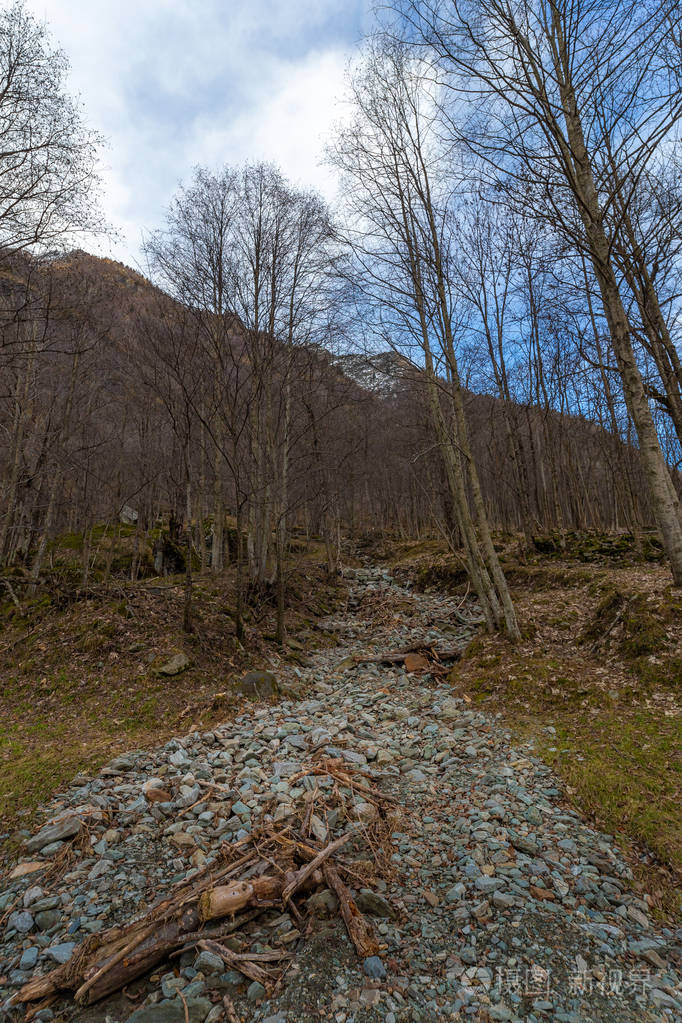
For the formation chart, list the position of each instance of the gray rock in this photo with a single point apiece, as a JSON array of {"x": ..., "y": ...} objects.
[
  {"x": 178, "y": 663},
  {"x": 324, "y": 903},
  {"x": 371, "y": 902},
  {"x": 47, "y": 919},
  {"x": 226, "y": 981},
  {"x": 65, "y": 828},
  {"x": 61, "y": 953},
  {"x": 255, "y": 991},
  {"x": 374, "y": 968},
  {"x": 179, "y": 758},
  {"x": 208, "y": 963},
  {"x": 29, "y": 958},
  {"x": 32, "y": 895},
  {"x": 170, "y": 985},
  {"x": 258, "y": 685},
  {"x": 172, "y": 1012},
  {"x": 20, "y": 920},
  {"x": 488, "y": 884},
  {"x": 450, "y": 709}
]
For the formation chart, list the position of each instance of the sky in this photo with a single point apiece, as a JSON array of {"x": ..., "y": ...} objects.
[{"x": 175, "y": 83}]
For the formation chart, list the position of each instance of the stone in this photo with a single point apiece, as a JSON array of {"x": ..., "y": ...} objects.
[
  {"x": 323, "y": 903},
  {"x": 184, "y": 840},
  {"x": 20, "y": 920},
  {"x": 373, "y": 967},
  {"x": 173, "y": 1011},
  {"x": 457, "y": 892},
  {"x": 371, "y": 996},
  {"x": 174, "y": 665},
  {"x": 32, "y": 895},
  {"x": 179, "y": 758},
  {"x": 28, "y": 867},
  {"x": 488, "y": 884},
  {"x": 450, "y": 709},
  {"x": 258, "y": 685},
  {"x": 57, "y": 832},
  {"x": 371, "y": 902},
  {"x": 29, "y": 958},
  {"x": 255, "y": 991},
  {"x": 208, "y": 962},
  {"x": 47, "y": 919},
  {"x": 62, "y": 952},
  {"x": 170, "y": 985}
]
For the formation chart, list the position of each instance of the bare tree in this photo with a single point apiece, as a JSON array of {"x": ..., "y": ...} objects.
[
  {"x": 575, "y": 98},
  {"x": 48, "y": 179},
  {"x": 391, "y": 160}
]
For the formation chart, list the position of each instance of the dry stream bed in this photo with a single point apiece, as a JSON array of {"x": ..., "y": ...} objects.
[{"x": 480, "y": 893}]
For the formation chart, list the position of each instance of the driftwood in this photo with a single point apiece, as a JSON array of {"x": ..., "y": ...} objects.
[
  {"x": 224, "y": 899},
  {"x": 304, "y": 873},
  {"x": 110, "y": 961},
  {"x": 251, "y": 875},
  {"x": 246, "y": 964},
  {"x": 340, "y": 771},
  {"x": 360, "y": 931}
]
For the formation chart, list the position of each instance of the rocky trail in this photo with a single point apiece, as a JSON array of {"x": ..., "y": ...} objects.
[{"x": 490, "y": 898}]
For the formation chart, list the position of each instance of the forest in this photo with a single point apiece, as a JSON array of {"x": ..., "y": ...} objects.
[
  {"x": 468, "y": 368},
  {"x": 527, "y": 288}
]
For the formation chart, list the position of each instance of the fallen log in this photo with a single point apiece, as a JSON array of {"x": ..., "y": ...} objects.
[
  {"x": 399, "y": 656},
  {"x": 109, "y": 961},
  {"x": 106, "y": 962}
]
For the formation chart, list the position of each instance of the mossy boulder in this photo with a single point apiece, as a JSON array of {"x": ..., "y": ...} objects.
[
  {"x": 174, "y": 665},
  {"x": 258, "y": 685}
]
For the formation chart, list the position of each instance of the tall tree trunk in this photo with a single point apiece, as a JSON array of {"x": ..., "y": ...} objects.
[{"x": 665, "y": 500}]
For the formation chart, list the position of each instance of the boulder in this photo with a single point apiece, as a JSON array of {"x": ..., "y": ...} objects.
[
  {"x": 258, "y": 685},
  {"x": 179, "y": 662},
  {"x": 175, "y": 1011}
]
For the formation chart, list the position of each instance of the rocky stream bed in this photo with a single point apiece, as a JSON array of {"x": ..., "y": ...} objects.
[{"x": 491, "y": 899}]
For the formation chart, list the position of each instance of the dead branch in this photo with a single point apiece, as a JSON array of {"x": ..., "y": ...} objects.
[
  {"x": 360, "y": 931},
  {"x": 305, "y": 872}
]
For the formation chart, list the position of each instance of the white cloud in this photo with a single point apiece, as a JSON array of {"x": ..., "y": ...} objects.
[
  {"x": 175, "y": 83},
  {"x": 288, "y": 122}
]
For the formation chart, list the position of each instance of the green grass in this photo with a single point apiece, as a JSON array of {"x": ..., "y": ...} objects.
[
  {"x": 615, "y": 747},
  {"x": 625, "y": 768}
]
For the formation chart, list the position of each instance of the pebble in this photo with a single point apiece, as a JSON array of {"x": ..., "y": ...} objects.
[
  {"x": 516, "y": 882},
  {"x": 21, "y": 920},
  {"x": 374, "y": 968}
]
